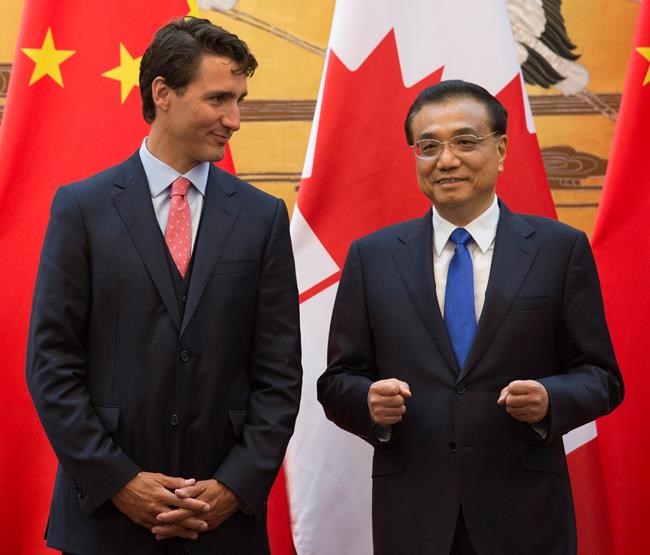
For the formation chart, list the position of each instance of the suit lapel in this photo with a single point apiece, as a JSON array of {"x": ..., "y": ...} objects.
[
  {"x": 413, "y": 257},
  {"x": 136, "y": 210},
  {"x": 219, "y": 214},
  {"x": 514, "y": 253}
]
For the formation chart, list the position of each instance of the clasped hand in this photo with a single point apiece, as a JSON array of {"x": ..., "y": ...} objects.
[{"x": 171, "y": 506}]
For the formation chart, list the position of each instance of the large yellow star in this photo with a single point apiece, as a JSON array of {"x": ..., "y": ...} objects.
[
  {"x": 194, "y": 8},
  {"x": 645, "y": 52},
  {"x": 47, "y": 59},
  {"x": 127, "y": 73}
]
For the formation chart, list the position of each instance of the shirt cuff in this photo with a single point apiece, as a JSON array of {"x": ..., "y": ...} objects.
[{"x": 383, "y": 434}]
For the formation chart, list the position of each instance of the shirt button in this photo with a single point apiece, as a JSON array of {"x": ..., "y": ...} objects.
[
  {"x": 185, "y": 356},
  {"x": 174, "y": 420},
  {"x": 183, "y": 298},
  {"x": 452, "y": 446},
  {"x": 460, "y": 388}
]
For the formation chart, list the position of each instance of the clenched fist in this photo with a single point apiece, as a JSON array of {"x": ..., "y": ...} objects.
[
  {"x": 386, "y": 401},
  {"x": 525, "y": 400}
]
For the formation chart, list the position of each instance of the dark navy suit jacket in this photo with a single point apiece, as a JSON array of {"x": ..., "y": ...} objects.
[
  {"x": 542, "y": 319},
  {"x": 123, "y": 383}
]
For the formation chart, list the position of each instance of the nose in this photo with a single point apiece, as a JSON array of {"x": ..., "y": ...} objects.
[
  {"x": 231, "y": 117},
  {"x": 447, "y": 158}
]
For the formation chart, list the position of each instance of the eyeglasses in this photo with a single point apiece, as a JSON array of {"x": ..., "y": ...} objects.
[{"x": 431, "y": 149}]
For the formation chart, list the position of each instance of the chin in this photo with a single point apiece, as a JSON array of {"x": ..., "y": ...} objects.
[
  {"x": 215, "y": 155},
  {"x": 454, "y": 198}
]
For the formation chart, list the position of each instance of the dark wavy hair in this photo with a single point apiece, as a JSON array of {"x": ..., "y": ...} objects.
[{"x": 176, "y": 52}]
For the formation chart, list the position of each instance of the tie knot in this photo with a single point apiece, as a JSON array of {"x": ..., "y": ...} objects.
[
  {"x": 460, "y": 236},
  {"x": 180, "y": 186}
]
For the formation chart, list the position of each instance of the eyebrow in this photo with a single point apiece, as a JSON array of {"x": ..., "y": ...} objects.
[
  {"x": 227, "y": 94},
  {"x": 461, "y": 131}
]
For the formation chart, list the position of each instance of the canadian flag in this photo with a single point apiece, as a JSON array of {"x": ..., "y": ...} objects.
[{"x": 358, "y": 176}]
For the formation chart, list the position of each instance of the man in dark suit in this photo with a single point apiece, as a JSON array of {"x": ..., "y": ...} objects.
[
  {"x": 164, "y": 349},
  {"x": 463, "y": 345}
]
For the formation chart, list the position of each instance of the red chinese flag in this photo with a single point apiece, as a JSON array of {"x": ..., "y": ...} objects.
[
  {"x": 73, "y": 108},
  {"x": 621, "y": 242}
]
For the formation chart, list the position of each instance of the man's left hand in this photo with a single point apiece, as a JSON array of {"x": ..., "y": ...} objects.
[
  {"x": 222, "y": 501},
  {"x": 525, "y": 400}
]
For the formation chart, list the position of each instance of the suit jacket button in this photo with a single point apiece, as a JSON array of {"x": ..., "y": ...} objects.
[
  {"x": 452, "y": 446},
  {"x": 185, "y": 356},
  {"x": 460, "y": 388},
  {"x": 174, "y": 420}
]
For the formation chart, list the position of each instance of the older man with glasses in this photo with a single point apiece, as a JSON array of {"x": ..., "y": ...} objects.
[{"x": 463, "y": 345}]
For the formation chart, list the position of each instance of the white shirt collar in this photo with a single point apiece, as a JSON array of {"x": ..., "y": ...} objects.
[
  {"x": 483, "y": 228},
  {"x": 160, "y": 175}
]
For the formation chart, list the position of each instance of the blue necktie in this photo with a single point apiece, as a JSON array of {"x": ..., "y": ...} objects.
[{"x": 460, "y": 316}]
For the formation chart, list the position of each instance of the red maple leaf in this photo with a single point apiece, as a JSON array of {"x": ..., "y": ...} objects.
[{"x": 363, "y": 170}]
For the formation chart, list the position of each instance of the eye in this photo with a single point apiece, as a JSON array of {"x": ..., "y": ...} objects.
[
  {"x": 465, "y": 142},
  {"x": 429, "y": 147}
]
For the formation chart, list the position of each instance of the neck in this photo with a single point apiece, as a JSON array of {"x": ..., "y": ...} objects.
[
  {"x": 460, "y": 216},
  {"x": 163, "y": 150}
]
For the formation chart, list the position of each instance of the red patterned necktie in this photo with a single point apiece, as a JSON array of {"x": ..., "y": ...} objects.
[{"x": 178, "y": 234}]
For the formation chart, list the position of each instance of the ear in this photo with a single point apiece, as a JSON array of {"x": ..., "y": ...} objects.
[
  {"x": 502, "y": 146},
  {"x": 161, "y": 93}
]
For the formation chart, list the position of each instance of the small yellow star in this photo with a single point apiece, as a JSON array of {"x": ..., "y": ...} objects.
[
  {"x": 127, "y": 73},
  {"x": 47, "y": 59},
  {"x": 645, "y": 52},
  {"x": 194, "y": 8}
]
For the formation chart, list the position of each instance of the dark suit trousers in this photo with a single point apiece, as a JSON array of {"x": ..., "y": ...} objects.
[
  {"x": 165, "y": 548},
  {"x": 462, "y": 544}
]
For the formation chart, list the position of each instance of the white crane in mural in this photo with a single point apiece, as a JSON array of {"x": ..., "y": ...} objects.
[
  {"x": 544, "y": 49},
  {"x": 546, "y": 53}
]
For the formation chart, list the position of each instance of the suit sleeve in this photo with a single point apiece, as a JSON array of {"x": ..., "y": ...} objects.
[
  {"x": 275, "y": 374},
  {"x": 343, "y": 388},
  {"x": 57, "y": 363},
  {"x": 589, "y": 384}
]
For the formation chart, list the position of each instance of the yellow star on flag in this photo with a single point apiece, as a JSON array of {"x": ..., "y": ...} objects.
[
  {"x": 645, "y": 52},
  {"x": 48, "y": 59},
  {"x": 194, "y": 8},
  {"x": 127, "y": 73}
]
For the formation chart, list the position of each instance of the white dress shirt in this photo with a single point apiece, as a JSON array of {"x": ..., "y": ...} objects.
[
  {"x": 483, "y": 231},
  {"x": 161, "y": 176},
  {"x": 481, "y": 248}
]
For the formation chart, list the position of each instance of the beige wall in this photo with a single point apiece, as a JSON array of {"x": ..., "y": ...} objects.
[
  {"x": 270, "y": 153},
  {"x": 10, "y": 12}
]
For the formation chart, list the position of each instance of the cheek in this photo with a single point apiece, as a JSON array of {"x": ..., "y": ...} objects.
[
  {"x": 493, "y": 172},
  {"x": 423, "y": 171},
  {"x": 485, "y": 174},
  {"x": 423, "y": 181}
]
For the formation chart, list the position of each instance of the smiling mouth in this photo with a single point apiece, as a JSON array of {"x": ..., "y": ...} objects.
[
  {"x": 221, "y": 138},
  {"x": 449, "y": 180}
]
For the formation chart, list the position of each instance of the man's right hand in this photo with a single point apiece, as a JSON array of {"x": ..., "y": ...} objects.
[
  {"x": 386, "y": 401},
  {"x": 148, "y": 494}
]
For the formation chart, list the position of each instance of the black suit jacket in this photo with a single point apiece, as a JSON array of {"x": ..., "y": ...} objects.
[
  {"x": 455, "y": 447},
  {"x": 122, "y": 383}
]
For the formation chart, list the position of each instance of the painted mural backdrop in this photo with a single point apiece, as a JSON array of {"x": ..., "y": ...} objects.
[{"x": 573, "y": 55}]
